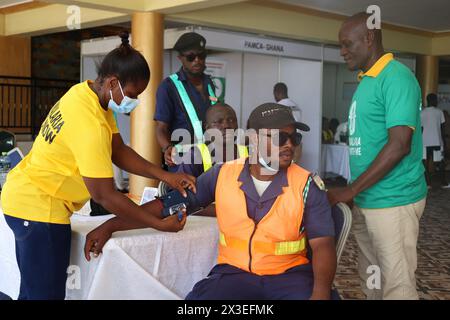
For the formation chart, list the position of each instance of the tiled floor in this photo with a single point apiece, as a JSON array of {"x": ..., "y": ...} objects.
[{"x": 433, "y": 272}]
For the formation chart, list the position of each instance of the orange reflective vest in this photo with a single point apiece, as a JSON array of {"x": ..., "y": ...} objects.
[{"x": 273, "y": 245}]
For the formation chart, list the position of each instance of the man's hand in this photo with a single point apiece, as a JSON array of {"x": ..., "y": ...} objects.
[
  {"x": 169, "y": 155},
  {"x": 180, "y": 181},
  {"x": 95, "y": 240},
  {"x": 397, "y": 147},
  {"x": 343, "y": 194}
]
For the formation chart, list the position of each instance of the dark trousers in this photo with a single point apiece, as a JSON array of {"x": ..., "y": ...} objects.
[
  {"x": 429, "y": 161},
  {"x": 43, "y": 255},
  {"x": 294, "y": 284}
]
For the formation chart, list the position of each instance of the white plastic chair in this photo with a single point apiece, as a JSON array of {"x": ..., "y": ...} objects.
[{"x": 342, "y": 216}]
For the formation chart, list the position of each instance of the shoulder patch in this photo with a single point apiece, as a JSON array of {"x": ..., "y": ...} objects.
[{"x": 319, "y": 182}]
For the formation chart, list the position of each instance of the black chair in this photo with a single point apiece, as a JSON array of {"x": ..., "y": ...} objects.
[
  {"x": 97, "y": 209},
  {"x": 7, "y": 141}
]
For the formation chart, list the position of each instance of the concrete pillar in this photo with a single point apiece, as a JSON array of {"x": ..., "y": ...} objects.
[
  {"x": 428, "y": 74},
  {"x": 147, "y": 30}
]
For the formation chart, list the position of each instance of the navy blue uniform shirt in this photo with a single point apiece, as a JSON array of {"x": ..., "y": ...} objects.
[{"x": 169, "y": 108}]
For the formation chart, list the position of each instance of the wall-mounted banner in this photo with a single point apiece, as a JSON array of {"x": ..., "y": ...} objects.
[
  {"x": 217, "y": 70},
  {"x": 243, "y": 42},
  {"x": 257, "y": 45}
]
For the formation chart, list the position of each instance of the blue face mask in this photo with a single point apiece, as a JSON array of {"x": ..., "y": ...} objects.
[{"x": 126, "y": 106}]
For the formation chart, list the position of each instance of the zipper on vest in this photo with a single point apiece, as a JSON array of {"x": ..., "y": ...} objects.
[{"x": 250, "y": 249}]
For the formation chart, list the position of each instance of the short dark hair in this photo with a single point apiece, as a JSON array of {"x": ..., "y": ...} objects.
[
  {"x": 432, "y": 100},
  {"x": 334, "y": 123},
  {"x": 219, "y": 105},
  {"x": 124, "y": 62},
  {"x": 281, "y": 88}
]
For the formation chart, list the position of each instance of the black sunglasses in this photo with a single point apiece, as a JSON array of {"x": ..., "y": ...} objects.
[
  {"x": 282, "y": 137},
  {"x": 191, "y": 56}
]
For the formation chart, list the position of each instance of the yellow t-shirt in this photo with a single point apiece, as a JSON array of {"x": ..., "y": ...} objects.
[{"x": 75, "y": 140}]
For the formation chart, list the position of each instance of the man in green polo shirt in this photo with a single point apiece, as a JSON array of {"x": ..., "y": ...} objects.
[{"x": 387, "y": 182}]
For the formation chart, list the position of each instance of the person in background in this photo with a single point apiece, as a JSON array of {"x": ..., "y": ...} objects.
[
  {"x": 203, "y": 157},
  {"x": 433, "y": 137},
  {"x": 327, "y": 134},
  {"x": 222, "y": 118},
  {"x": 387, "y": 182},
  {"x": 341, "y": 135},
  {"x": 446, "y": 137},
  {"x": 70, "y": 162},
  {"x": 183, "y": 98},
  {"x": 334, "y": 123},
  {"x": 280, "y": 93}
]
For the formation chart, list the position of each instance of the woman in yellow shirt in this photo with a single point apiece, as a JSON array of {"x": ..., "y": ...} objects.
[{"x": 70, "y": 162}]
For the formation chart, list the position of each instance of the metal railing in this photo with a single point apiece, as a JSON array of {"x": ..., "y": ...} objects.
[{"x": 25, "y": 102}]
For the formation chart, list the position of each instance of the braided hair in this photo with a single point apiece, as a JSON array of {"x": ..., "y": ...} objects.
[{"x": 124, "y": 62}]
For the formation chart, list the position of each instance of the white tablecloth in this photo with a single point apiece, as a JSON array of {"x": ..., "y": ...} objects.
[
  {"x": 336, "y": 159},
  {"x": 137, "y": 264}
]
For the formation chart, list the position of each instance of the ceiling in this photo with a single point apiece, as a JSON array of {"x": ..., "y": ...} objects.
[
  {"x": 426, "y": 15},
  {"x": 429, "y": 15},
  {"x": 9, "y": 3}
]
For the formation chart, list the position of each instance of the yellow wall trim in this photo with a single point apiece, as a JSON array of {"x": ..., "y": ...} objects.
[
  {"x": 54, "y": 18},
  {"x": 441, "y": 46},
  {"x": 161, "y": 6},
  {"x": 256, "y": 16},
  {"x": 23, "y": 7}
]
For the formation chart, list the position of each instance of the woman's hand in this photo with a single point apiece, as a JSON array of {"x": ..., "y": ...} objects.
[
  {"x": 95, "y": 241},
  {"x": 180, "y": 181},
  {"x": 172, "y": 224},
  {"x": 97, "y": 238}
]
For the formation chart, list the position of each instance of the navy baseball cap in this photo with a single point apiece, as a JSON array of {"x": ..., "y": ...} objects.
[
  {"x": 190, "y": 40},
  {"x": 273, "y": 116}
]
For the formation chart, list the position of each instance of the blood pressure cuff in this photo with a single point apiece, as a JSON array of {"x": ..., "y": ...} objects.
[{"x": 174, "y": 199}]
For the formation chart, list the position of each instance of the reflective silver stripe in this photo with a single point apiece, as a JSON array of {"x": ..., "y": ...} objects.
[
  {"x": 212, "y": 94},
  {"x": 305, "y": 191},
  {"x": 206, "y": 156}
]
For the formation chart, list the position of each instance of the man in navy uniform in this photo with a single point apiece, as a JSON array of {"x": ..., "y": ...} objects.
[
  {"x": 183, "y": 98},
  {"x": 276, "y": 230}
]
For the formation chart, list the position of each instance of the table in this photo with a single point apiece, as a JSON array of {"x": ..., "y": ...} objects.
[
  {"x": 135, "y": 264},
  {"x": 336, "y": 159}
]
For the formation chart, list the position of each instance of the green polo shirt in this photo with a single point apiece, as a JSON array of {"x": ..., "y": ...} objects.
[{"x": 388, "y": 95}]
